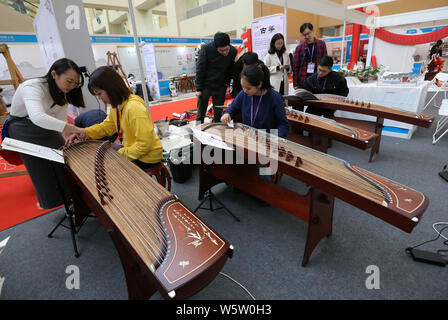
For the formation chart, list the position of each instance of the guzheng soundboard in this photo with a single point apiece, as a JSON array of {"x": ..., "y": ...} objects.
[
  {"x": 327, "y": 175},
  {"x": 162, "y": 244},
  {"x": 353, "y": 136}
]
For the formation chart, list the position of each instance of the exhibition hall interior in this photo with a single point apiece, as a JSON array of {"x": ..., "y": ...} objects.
[{"x": 223, "y": 150}]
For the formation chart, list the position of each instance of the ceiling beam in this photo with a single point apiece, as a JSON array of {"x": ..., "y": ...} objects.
[
  {"x": 110, "y": 4},
  {"x": 413, "y": 17},
  {"x": 324, "y": 8}
]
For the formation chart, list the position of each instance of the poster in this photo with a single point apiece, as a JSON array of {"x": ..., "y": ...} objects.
[
  {"x": 47, "y": 34},
  {"x": 149, "y": 59},
  {"x": 263, "y": 29}
]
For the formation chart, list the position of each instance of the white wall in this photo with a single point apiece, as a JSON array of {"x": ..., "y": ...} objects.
[
  {"x": 400, "y": 58},
  {"x": 228, "y": 18},
  {"x": 396, "y": 58}
]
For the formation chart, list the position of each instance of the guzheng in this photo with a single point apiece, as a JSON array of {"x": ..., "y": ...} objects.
[
  {"x": 353, "y": 136},
  {"x": 162, "y": 244},
  {"x": 336, "y": 102},
  {"x": 328, "y": 177}
]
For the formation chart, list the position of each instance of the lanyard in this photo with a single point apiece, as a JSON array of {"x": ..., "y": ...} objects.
[
  {"x": 310, "y": 53},
  {"x": 325, "y": 83},
  {"x": 120, "y": 134},
  {"x": 252, "y": 117}
]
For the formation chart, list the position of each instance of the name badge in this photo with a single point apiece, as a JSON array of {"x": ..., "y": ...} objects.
[{"x": 310, "y": 68}]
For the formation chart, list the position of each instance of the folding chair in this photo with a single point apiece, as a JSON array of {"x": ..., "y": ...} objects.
[
  {"x": 442, "y": 127},
  {"x": 442, "y": 78}
]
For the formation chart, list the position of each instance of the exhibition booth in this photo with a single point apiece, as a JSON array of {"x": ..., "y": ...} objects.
[{"x": 307, "y": 214}]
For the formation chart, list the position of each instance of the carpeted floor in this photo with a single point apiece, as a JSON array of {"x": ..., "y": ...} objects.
[
  {"x": 268, "y": 243},
  {"x": 16, "y": 190}
]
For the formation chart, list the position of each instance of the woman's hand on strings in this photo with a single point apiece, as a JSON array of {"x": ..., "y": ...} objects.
[
  {"x": 70, "y": 139},
  {"x": 226, "y": 118},
  {"x": 71, "y": 133}
]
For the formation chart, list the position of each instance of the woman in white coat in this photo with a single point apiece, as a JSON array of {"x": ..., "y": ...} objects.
[{"x": 278, "y": 62}]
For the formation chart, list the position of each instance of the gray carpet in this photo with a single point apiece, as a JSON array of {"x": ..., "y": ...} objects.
[{"x": 268, "y": 242}]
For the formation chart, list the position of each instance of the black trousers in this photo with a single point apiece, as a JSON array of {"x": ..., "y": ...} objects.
[
  {"x": 282, "y": 88},
  {"x": 218, "y": 99},
  {"x": 144, "y": 165},
  {"x": 45, "y": 174}
]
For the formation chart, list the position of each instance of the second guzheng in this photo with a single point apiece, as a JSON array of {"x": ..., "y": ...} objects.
[
  {"x": 328, "y": 177},
  {"x": 162, "y": 245},
  {"x": 321, "y": 126}
]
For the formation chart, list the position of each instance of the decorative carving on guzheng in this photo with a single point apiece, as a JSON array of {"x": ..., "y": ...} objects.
[
  {"x": 199, "y": 243},
  {"x": 178, "y": 249},
  {"x": 370, "y": 192},
  {"x": 401, "y": 197}
]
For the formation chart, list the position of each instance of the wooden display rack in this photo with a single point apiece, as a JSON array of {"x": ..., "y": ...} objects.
[
  {"x": 16, "y": 79},
  {"x": 114, "y": 63}
]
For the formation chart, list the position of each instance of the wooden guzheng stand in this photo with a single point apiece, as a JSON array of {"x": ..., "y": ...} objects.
[
  {"x": 327, "y": 176},
  {"x": 335, "y": 102},
  {"x": 162, "y": 245},
  {"x": 323, "y": 128}
]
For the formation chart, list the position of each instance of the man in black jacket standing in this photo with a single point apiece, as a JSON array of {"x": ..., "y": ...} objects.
[
  {"x": 213, "y": 71},
  {"x": 325, "y": 81}
]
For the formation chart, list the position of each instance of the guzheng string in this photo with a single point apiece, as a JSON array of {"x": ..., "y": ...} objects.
[
  {"x": 128, "y": 215},
  {"x": 353, "y": 132},
  {"x": 316, "y": 162},
  {"x": 126, "y": 212},
  {"x": 135, "y": 211},
  {"x": 362, "y": 104}
]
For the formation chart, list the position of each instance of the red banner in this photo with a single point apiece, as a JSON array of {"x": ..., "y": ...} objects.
[{"x": 409, "y": 40}]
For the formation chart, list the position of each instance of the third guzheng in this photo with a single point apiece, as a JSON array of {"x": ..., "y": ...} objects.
[{"x": 336, "y": 102}]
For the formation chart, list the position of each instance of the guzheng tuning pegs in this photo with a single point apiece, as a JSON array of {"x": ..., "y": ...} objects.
[
  {"x": 307, "y": 119},
  {"x": 298, "y": 162},
  {"x": 281, "y": 151}
]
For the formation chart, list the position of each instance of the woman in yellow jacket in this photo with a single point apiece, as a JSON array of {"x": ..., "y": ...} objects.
[{"x": 128, "y": 116}]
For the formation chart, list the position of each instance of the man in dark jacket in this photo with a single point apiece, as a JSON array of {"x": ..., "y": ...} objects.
[
  {"x": 325, "y": 81},
  {"x": 213, "y": 71}
]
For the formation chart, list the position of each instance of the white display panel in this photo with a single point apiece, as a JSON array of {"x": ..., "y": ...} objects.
[
  {"x": 47, "y": 33},
  {"x": 263, "y": 29},
  {"x": 172, "y": 61},
  {"x": 149, "y": 59}
]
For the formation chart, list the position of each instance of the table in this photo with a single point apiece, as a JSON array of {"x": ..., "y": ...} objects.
[
  {"x": 178, "y": 138},
  {"x": 404, "y": 97}
]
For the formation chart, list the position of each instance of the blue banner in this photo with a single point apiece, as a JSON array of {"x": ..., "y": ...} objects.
[
  {"x": 21, "y": 38},
  {"x": 111, "y": 39},
  {"x": 31, "y": 38}
]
